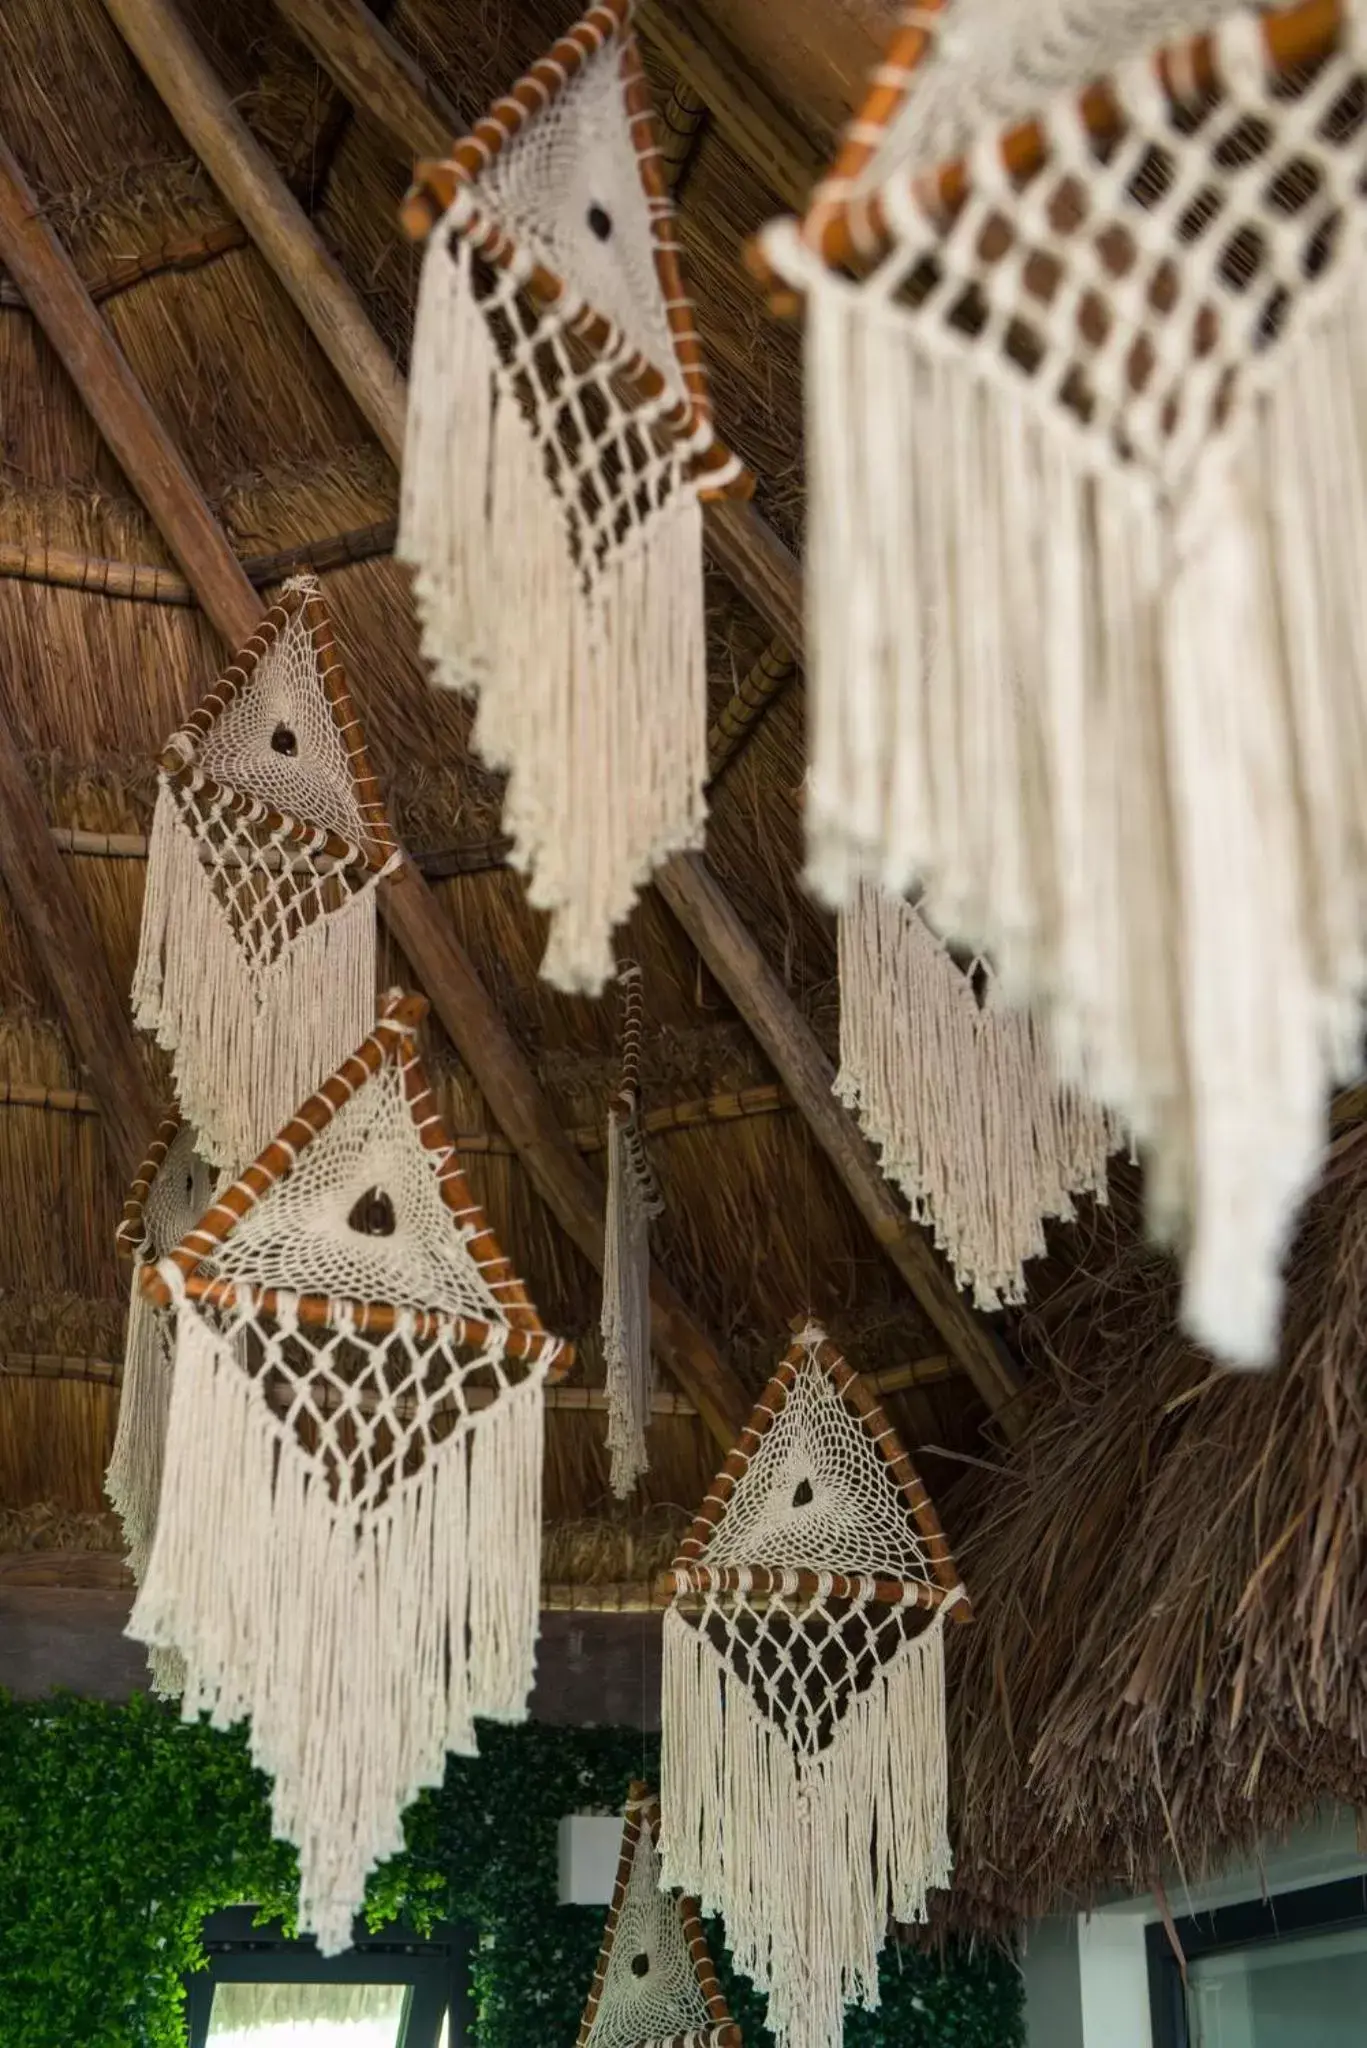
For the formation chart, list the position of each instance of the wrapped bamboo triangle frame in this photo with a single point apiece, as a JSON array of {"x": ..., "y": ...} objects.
[
  {"x": 1088, "y": 641},
  {"x": 654, "y": 1985},
  {"x": 560, "y": 441},
  {"x": 803, "y": 1785},
  {"x": 436, "y": 184},
  {"x": 846, "y": 222},
  {"x": 347, "y": 1544},
  {"x": 256, "y": 965}
]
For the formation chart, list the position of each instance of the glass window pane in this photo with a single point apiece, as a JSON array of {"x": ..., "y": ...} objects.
[
  {"x": 306, "y": 2015},
  {"x": 1309, "y": 1992}
]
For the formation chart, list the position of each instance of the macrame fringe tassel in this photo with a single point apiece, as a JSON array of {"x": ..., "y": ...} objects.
[
  {"x": 804, "y": 1858},
  {"x": 962, "y": 1098},
  {"x": 591, "y": 681},
  {"x": 361, "y": 1646},
  {"x": 133, "y": 1481},
  {"x": 1131, "y": 764},
  {"x": 247, "y": 1047},
  {"x": 626, "y": 1311}
]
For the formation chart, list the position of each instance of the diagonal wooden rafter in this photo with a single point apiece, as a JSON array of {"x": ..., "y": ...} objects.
[
  {"x": 766, "y": 572},
  {"x": 157, "y": 472}
]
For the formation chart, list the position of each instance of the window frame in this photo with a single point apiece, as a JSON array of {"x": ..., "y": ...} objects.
[
  {"x": 1251, "y": 1923},
  {"x": 436, "y": 1968}
]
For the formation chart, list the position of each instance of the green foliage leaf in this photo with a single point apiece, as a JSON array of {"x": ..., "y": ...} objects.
[{"x": 121, "y": 1828}]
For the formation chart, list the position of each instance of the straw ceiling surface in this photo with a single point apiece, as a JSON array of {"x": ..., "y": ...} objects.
[{"x": 1153, "y": 1648}]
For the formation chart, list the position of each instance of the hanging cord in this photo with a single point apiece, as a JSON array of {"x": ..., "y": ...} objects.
[{"x": 627, "y": 1101}]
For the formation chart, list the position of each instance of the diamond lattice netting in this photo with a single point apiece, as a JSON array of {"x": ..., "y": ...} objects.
[
  {"x": 567, "y": 190},
  {"x": 602, "y": 451},
  {"x": 817, "y": 1495},
  {"x": 270, "y": 891},
  {"x": 1134, "y": 287},
  {"x": 179, "y": 1195},
  {"x": 366, "y": 1412},
  {"x": 994, "y": 63},
  {"x": 806, "y": 1660},
  {"x": 361, "y": 1217},
  {"x": 650, "y": 1990},
  {"x": 278, "y": 740}
]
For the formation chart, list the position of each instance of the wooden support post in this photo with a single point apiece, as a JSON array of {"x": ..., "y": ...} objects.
[
  {"x": 702, "y": 908},
  {"x": 272, "y": 216},
  {"x": 154, "y": 468}
]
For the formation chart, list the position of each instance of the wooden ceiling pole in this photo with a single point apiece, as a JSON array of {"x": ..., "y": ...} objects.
[
  {"x": 158, "y": 474},
  {"x": 39, "y": 884},
  {"x": 247, "y": 178}
]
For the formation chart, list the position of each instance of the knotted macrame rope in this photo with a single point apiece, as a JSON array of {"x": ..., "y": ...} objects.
[{"x": 1088, "y": 632}]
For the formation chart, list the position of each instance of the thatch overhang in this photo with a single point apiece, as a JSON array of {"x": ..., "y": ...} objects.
[{"x": 1166, "y": 1567}]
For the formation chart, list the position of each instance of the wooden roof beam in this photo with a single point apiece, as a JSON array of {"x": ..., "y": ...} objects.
[
  {"x": 258, "y": 194},
  {"x": 157, "y": 472},
  {"x": 767, "y": 573},
  {"x": 40, "y": 887}
]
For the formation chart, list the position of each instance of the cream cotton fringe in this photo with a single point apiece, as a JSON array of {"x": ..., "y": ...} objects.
[
  {"x": 961, "y": 1098},
  {"x": 1131, "y": 764},
  {"x": 248, "y": 1041},
  {"x": 361, "y": 1645},
  {"x": 805, "y": 1856},
  {"x": 591, "y": 679},
  {"x": 133, "y": 1481}
]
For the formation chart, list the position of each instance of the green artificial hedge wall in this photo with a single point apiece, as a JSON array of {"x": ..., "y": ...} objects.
[{"x": 120, "y": 1829}]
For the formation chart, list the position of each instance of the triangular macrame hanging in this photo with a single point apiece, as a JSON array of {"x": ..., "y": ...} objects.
[
  {"x": 348, "y": 1542},
  {"x": 654, "y": 1986},
  {"x": 962, "y": 1095},
  {"x": 256, "y": 968},
  {"x": 803, "y": 1770},
  {"x": 633, "y": 1199},
  {"x": 559, "y": 438},
  {"x": 171, "y": 1192},
  {"x": 1088, "y": 650}
]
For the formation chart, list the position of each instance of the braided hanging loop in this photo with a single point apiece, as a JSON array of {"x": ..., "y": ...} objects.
[{"x": 633, "y": 1200}]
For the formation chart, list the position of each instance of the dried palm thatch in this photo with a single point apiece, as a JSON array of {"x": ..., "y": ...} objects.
[{"x": 1171, "y": 1579}]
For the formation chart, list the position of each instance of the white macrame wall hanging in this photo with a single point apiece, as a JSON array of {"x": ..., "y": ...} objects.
[
  {"x": 1088, "y": 628},
  {"x": 962, "y": 1096},
  {"x": 256, "y": 968},
  {"x": 654, "y": 1986},
  {"x": 633, "y": 1199},
  {"x": 803, "y": 1780},
  {"x": 173, "y": 1188},
  {"x": 347, "y": 1548},
  {"x": 559, "y": 439}
]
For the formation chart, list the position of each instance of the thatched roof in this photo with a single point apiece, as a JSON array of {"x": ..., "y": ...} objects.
[
  {"x": 1147, "y": 1656},
  {"x": 1171, "y": 1570}
]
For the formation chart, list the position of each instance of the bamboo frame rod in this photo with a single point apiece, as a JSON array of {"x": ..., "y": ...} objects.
[
  {"x": 561, "y": 1398},
  {"x": 35, "y": 1095},
  {"x": 149, "y": 583},
  {"x": 753, "y": 696},
  {"x": 186, "y": 252},
  {"x": 852, "y": 232}
]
